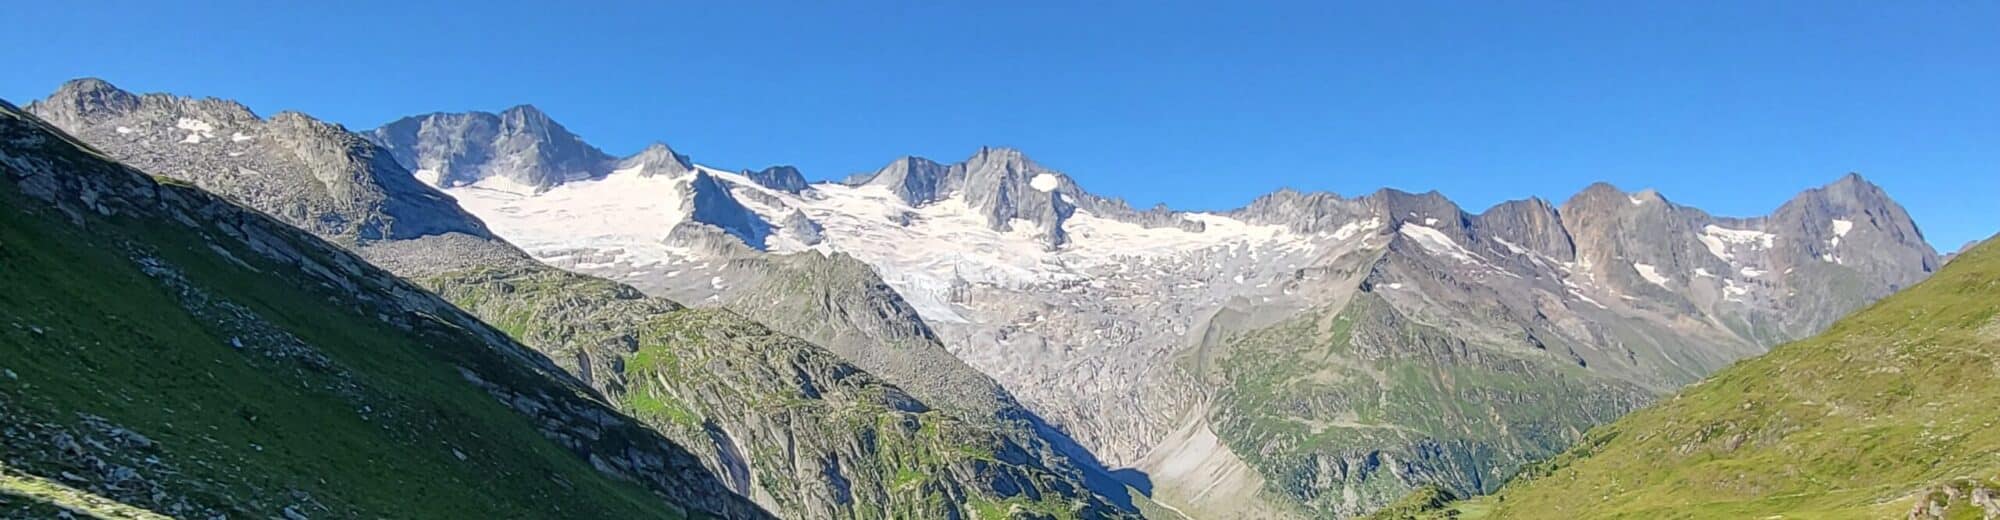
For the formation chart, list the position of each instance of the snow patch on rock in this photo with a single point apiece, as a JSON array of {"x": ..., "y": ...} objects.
[
  {"x": 1719, "y": 239},
  {"x": 1437, "y": 242},
  {"x": 1045, "y": 182},
  {"x": 1651, "y": 274}
]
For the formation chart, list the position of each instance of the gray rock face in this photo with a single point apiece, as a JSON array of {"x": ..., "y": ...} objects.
[
  {"x": 781, "y": 178},
  {"x": 915, "y": 180},
  {"x": 1004, "y": 186},
  {"x": 709, "y": 202},
  {"x": 803, "y": 229},
  {"x": 308, "y": 172},
  {"x": 658, "y": 159},
  {"x": 521, "y": 144}
]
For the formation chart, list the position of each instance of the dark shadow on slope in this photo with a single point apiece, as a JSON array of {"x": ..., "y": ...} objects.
[{"x": 1113, "y": 486}]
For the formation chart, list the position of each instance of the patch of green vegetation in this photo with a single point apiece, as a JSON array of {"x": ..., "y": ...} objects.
[
  {"x": 1324, "y": 404},
  {"x": 798, "y": 416},
  {"x": 1859, "y": 422},
  {"x": 384, "y": 425}
]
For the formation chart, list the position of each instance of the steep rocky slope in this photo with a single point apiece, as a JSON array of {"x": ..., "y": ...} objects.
[
  {"x": 1888, "y": 414},
  {"x": 170, "y": 353},
  {"x": 787, "y": 423},
  {"x": 795, "y": 426}
]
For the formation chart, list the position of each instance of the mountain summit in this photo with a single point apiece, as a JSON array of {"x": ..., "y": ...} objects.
[{"x": 520, "y": 144}]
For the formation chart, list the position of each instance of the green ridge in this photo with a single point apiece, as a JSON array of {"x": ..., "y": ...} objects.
[
  {"x": 150, "y": 362},
  {"x": 1893, "y": 405}
]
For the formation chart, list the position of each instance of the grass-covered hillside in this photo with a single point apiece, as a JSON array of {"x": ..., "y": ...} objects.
[
  {"x": 788, "y": 423},
  {"x": 1892, "y": 413},
  {"x": 164, "y": 352}
]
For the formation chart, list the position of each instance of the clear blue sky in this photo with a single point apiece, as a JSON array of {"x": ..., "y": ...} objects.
[{"x": 1730, "y": 106}]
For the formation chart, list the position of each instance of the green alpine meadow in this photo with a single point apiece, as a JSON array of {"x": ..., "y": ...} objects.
[{"x": 875, "y": 260}]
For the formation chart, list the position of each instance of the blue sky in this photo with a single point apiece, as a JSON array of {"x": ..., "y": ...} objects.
[{"x": 1730, "y": 106}]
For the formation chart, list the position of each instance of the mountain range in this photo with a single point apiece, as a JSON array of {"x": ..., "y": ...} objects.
[
  {"x": 1287, "y": 348},
  {"x": 985, "y": 337}
]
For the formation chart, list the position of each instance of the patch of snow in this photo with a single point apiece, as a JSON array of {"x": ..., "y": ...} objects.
[
  {"x": 1718, "y": 239},
  {"x": 1350, "y": 229},
  {"x": 1394, "y": 285},
  {"x": 1045, "y": 182},
  {"x": 624, "y": 217},
  {"x": 1586, "y": 299},
  {"x": 1636, "y": 201},
  {"x": 1437, "y": 242},
  {"x": 1753, "y": 272},
  {"x": 197, "y": 130},
  {"x": 1650, "y": 273},
  {"x": 1702, "y": 272},
  {"x": 1430, "y": 221},
  {"x": 238, "y": 137},
  {"x": 1840, "y": 229},
  {"x": 1732, "y": 291},
  {"x": 195, "y": 125},
  {"x": 427, "y": 176},
  {"x": 124, "y": 130}
]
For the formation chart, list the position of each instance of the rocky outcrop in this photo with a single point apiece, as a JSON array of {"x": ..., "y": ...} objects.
[
  {"x": 520, "y": 144},
  {"x": 657, "y": 159},
  {"x": 1003, "y": 186},
  {"x": 308, "y": 172},
  {"x": 709, "y": 202},
  {"x": 782, "y": 178}
]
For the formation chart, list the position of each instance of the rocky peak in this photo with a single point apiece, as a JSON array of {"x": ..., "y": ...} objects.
[
  {"x": 709, "y": 202},
  {"x": 915, "y": 180},
  {"x": 312, "y": 174},
  {"x": 528, "y": 118},
  {"x": 1303, "y": 212},
  {"x": 1532, "y": 224},
  {"x": 90, "y": 101},
  {"x": 87, "y": 98},
  {"x": 657, "y": 159},
  {"x": 1853, "y": 223},
  {"x": 782, "y": 178},
  {"x": 1430, "y": 209},
  {"x": 521, "y": 144}
]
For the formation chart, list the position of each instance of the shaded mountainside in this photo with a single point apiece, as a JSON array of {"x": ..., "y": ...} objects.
[
  {"x": 787, "y": 423},
  {"x": 1889, "y": 413},
  {"x": 166, "y": 350}
]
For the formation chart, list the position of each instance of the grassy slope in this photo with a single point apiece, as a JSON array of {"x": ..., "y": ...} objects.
[
  {"x": 1368, "y": 399},
  {"x": 91, "y": 345},
  {"x": 1854, "y": 423},
  {"x": 690, "y": 370}
]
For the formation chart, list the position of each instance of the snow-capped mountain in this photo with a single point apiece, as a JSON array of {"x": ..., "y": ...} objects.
[
  {"x": 850, "y": 439},
  {"x": 1131, "y": 330}
]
